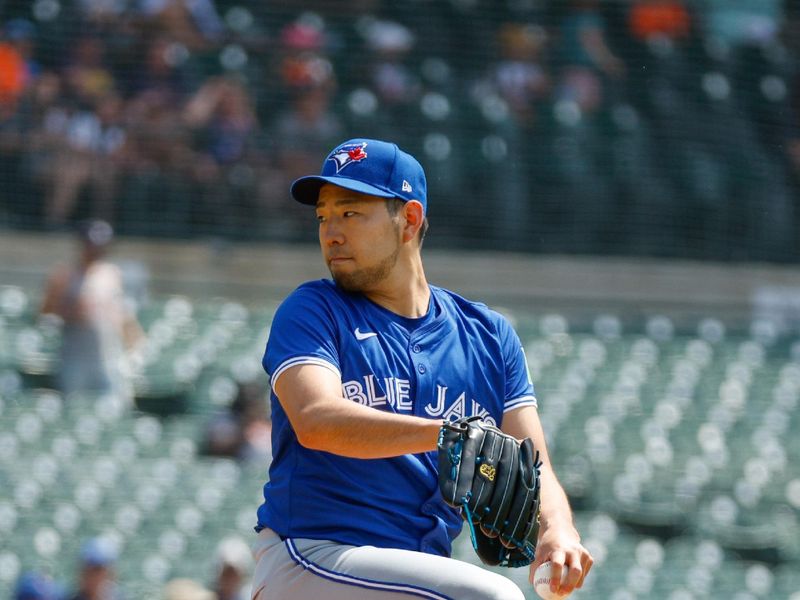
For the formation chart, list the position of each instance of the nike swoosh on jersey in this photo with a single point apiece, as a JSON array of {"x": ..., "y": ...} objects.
[{"x": 364, "y": 335}]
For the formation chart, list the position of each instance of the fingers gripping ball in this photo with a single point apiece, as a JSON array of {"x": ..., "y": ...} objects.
[
  {"x": 542, "y": 578},
  {"x": 495, "y": 481}
]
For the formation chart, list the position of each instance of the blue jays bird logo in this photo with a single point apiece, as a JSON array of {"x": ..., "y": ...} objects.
[{"x": 348, "y": 154}]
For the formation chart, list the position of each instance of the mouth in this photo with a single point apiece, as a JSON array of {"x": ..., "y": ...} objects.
[{"x": 338, "y": 260}]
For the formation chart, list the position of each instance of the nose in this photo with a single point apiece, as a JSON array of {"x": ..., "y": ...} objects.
[{"x": 330, "y": 234}]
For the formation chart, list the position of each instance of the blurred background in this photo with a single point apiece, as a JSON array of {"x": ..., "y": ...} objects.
[{"x": 620, "y": 177}]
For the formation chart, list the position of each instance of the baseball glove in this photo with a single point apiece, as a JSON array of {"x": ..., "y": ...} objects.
[{"x": 494, "y": 479}]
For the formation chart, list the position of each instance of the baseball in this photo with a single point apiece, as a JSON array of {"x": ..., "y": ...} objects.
[{"x": 541, "y": 581}]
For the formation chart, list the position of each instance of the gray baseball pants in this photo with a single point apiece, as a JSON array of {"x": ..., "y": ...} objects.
[{"x": 303, "y": 569}]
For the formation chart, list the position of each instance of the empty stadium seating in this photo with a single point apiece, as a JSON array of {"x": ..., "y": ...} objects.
[{"x": 674, "y": 440}]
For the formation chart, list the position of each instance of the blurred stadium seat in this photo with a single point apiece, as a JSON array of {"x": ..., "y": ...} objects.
[{"x": 674, "y": 442}]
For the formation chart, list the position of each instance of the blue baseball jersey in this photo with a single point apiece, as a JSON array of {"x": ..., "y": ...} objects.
[{"x": 461, "y": 359}]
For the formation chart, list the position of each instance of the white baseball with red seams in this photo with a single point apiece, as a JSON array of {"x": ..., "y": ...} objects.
[{"x": 541, "y": 581}]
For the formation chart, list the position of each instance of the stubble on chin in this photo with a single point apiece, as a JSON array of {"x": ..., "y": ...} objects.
[{"x": 363, "y": 280}]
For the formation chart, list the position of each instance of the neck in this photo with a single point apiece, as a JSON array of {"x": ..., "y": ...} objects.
[{"x": 405, "y": 292}]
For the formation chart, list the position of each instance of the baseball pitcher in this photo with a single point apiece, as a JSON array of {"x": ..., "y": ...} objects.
[{"x": 401, "y": 411}]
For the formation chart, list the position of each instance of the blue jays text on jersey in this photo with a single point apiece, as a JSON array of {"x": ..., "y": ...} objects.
[{"x": 461, "y": 359}]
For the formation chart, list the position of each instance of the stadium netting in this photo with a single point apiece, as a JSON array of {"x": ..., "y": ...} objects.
[{"x": 664, "y": 128}]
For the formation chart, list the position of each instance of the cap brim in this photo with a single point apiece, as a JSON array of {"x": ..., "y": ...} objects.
[{"x": 306, "y": 189}]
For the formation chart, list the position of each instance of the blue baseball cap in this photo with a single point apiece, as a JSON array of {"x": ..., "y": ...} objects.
[
  {"x": 369, "y": 167},
  {"x": 34, "y": 586},
  {"x": 98, "y": 552},
  {"x": 18, "y": 30}
]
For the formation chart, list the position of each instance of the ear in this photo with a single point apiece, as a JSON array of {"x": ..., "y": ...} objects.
[{"x": 414, "y": 215}]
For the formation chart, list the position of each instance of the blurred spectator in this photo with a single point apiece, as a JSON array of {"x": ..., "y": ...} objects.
[
  {"x": 87, "y": 76},
  {"x": 738, "y": 23},
  {"x": 510, "y": 99},
  {"x": 387, "y": 77},
  {"x": 223, "y": 120},
  {"x": 158, "y": 139},
  {"x": 16, "y": 66},
  {"x": 519, "y": 75},
  {"x": 35, "y": 586},
  {"x": 186, "y": 589},
  {"x": 26, "y": 148},
  {"x": 309, "y": 122},
  {"x": 301, "y": 36},
  {"x": 157, "y": 75},
  {"x": 243, "y": 431},
  {"x": 307, "y": 71},
  {"x": 159, "y": 163},
  {"x": 233, "y": 562},
  {"x": 86, "y": 132},
  {"x": 389, "y": 44},
  {"x": 194, "y": 23},
  {"x": 90, "y": 153},
  {"x": 96, "y": 575},
  {"x": 102, "y": 12},
  {"x": 304, "y": 121},
  {"x": 40, "y": 120},
  {"x": 659, "y": 48},
  {"x": 649, "y": 19},
  {"x": 222, "y": 114},
  {"x": 587, "y": 59},
  {"x": 300, "y": 60},
  {"x": 98, "y": 325}
]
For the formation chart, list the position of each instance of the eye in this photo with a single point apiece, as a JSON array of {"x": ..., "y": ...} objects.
[
  {"x": 320, "y": 219},
  {"x": 350, "y": 213}
]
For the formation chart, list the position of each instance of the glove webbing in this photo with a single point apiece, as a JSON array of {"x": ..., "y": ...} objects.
[{"x": 504, "y": 555}]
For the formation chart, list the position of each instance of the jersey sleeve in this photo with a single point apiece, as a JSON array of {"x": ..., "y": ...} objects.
[
  {"x": 303, "y": 332},
  {"x": 519, "y": 387}
]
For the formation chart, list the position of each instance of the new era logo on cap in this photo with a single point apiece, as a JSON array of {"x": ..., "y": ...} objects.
[{"x": 369, "y": 167}]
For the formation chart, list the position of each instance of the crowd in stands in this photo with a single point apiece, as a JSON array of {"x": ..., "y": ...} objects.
[{"x": 652, "y": 126}]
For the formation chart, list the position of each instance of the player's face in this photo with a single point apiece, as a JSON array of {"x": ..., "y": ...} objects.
[{"x": 360, "y": 240}]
